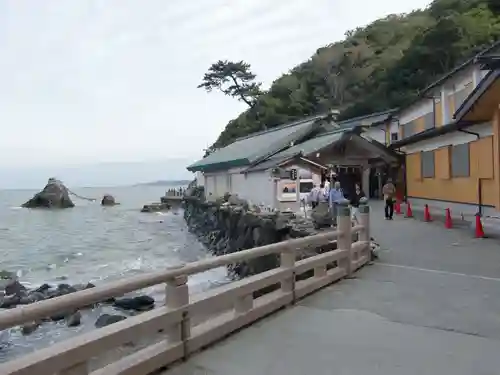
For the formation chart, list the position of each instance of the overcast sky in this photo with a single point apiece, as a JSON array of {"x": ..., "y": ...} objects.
[{"x": 87, "y": 81}]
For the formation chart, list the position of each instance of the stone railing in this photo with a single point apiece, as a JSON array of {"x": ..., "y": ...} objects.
[{"x": 179, "y": 321}]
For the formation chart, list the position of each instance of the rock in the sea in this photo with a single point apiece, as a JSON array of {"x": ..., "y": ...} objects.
[
  {"x": 12, "y": 287},
  {"x": 107, "y": 319},
  {"x": 155, "y": 207},
  {"x": 8, "y": 302},
  {"x": 29, "y": 328},
  {"x": 74, "y": 319},
  {"x": 139, "y": 303},
  {"x": 53, "y": 195},
  {"x": 12, "y": 292},
  {"x": 108, "y": 200}
]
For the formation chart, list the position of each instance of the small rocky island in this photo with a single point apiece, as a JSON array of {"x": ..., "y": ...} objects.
[
  {"x": 54, "y": 195},
  {"x": 108, "y": 200}
]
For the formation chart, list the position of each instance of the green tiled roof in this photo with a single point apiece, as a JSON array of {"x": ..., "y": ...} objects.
[
  {"x": 314, "y": 144},
  {"x": 306, "y": 148},
  {"x": 248, "y": 150}
]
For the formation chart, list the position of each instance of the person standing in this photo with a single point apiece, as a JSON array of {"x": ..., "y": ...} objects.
[
  {"x": 335, "y": 196},
  {"x": 389, "y": 190},
  {"x": 358, "y": 194},
  {"x": 314, "y": 196}
]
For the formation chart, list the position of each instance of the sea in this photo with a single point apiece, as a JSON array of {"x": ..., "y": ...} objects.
[{"x": 91, "y": 243}]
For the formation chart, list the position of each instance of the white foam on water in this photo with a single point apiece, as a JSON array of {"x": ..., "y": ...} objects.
[{"x": 205, "y": 280}]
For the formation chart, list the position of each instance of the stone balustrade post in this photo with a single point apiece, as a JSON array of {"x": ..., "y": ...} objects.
[
  {"x": 344, "y": 241},
  {"x": 287, "y": 258},
  {"x": 177, "y": 296},
  {"x": 364, "y": 218}
]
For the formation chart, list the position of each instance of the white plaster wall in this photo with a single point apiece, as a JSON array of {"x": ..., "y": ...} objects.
[
  {"x": 419, "y": 109},
  {"x": 209, "y": 185},
  {"x": 460, "y": 80},
  {"x": 238, "y": 184},
  {"x": 452, "y": 85},
  {"x": 455, "y": 138},
  {"x": 222, "y": 182},
  {"x": 259, "y": 188},
  {"x": 200, "y": 179},
  {"x": 394, "y": 127},
  {"x": 377, "y": 133}
]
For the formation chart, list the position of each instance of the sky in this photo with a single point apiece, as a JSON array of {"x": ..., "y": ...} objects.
[{"x": 88, "y": 83}]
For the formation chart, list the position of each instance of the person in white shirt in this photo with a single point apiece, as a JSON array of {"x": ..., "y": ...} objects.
[
  {"x": 323, "y": 193},
  {"x": 327, "y": 186},
  {"x": 314, "y": 196}
]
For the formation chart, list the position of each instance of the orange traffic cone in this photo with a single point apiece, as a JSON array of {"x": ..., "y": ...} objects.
[
  {"x": 427, "y": 213},
  {"x": 397, "y": 208},
  {"x": 448, "y": 224},
  {"x": 409, "y": 212},
  {"x": 479, "y": 227}
]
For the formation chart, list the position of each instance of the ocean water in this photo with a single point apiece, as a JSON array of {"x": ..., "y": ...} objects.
[{"x": 90, "y": 243}]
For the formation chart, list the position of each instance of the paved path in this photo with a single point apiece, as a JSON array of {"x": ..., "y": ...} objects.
[{"x": 430, "y": 305}]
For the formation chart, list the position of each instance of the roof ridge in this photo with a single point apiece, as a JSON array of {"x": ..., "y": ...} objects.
[
  {"x": 279, "y": 127},
  {"x": 368, "y": 115}
]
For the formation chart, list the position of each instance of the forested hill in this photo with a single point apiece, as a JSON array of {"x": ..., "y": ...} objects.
[{"x": 377, "y": 67}]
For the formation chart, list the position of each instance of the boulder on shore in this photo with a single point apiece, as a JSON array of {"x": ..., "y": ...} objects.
[
  {"x": 53, "y": 195},
  {"x": 108, "y": 200}
]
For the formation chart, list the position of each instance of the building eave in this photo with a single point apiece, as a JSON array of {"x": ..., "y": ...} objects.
[
  {"x": 431, "y": 133},
  {"x": 215, "y": 167},
  {"x": 476, "y": 95}
]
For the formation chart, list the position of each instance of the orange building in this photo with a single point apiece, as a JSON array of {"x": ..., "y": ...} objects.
[{"x": 452, "y": 152}]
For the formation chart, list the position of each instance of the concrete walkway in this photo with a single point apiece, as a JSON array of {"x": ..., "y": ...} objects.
[{"x": 430, "y": 305}]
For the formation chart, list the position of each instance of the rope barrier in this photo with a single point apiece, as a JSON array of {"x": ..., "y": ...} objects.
[{"x": 81, "y": 197}]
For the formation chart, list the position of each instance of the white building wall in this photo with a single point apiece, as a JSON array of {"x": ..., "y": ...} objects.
[
  {"x": 376, "y": 133},
  {"x": 419, "y": 109},
  {"x": 470, "y": 76},
  {"x": 200, "y": 179},
  {"x": 259, "y": 188}
]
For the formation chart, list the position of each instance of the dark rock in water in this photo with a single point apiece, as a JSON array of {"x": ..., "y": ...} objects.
[
  {"x": 140, "y": 303},
  {"x": 29, "y": 328},
  {"x": 43, "y": 288},
  {"x": 74, "y": 319},
  {"x": 53, "y": 195},
  {"x": 8, "y": 302},
  {"x": 108, "y": 200},
  {"x": 66, "y": 289},
  {"x": 107, "y": 319},
  {"x": 36, "y": 296},
  {"x": 155, "y": 207},
  {"x": 15, "y": 287},
  {"x": 60, "y": 316}
]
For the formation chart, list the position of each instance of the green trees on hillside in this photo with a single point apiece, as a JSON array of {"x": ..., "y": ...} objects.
[{"x": 381, "y": 66}]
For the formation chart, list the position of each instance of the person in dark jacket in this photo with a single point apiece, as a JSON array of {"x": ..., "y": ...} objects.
[{"x": 356, "y": 197}]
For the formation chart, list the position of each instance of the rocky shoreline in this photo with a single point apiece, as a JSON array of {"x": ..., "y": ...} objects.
[
  {"x": 230, "y": 224},
  {"x": 13, "y": 294}
]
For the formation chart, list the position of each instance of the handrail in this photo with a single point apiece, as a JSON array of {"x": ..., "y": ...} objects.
[
  {"x": 181, "y": 336},
  {"x": 28, "y": 313}
]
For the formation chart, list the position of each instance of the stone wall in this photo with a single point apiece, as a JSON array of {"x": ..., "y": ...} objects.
[{"x": 229, "y": 224}]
